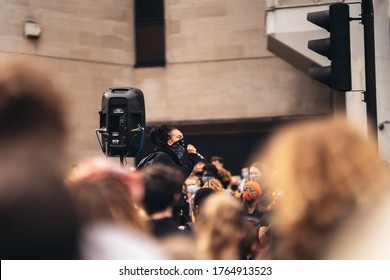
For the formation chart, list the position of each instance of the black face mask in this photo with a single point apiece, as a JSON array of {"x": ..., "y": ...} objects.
[{"x": 179, "y": 147}]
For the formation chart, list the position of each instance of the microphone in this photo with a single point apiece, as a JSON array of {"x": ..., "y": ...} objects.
[{"x": 201, "y": 157}]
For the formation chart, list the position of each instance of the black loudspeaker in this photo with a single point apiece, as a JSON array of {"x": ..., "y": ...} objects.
[{"x": 122, "y": 122}]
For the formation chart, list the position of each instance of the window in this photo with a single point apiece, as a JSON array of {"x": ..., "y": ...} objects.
[{"x": 149, "y": 33}]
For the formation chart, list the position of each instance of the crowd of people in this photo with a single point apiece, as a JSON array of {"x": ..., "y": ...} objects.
[{"x": 312, "y": 185}]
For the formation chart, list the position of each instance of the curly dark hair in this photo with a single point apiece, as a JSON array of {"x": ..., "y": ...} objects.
[{"x": 160, "y": 134}]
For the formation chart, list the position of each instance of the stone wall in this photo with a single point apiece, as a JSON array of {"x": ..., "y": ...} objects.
[{"x": 217, "y": 68}]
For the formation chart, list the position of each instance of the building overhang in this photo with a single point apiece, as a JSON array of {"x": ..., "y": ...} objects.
[{"x": 288, "y": 32}]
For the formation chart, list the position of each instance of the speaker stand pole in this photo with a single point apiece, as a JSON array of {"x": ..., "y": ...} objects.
[{"x": 122, "y": 162}]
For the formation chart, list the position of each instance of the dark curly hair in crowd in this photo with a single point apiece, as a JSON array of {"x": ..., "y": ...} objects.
[{"x": 160, "y": 134}]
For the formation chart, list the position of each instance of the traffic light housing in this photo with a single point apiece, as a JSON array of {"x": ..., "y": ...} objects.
[
  {"x": 122, "y": 122},
  {"x": 336, "y": 48}
]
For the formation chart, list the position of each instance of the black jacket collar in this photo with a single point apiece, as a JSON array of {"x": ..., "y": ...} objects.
[{"x": 170, "y": 153}]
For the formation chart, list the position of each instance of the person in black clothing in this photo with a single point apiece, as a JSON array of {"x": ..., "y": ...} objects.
[
  {"x": 163, "y": 186},
  {"x": 171, "y": 150}
]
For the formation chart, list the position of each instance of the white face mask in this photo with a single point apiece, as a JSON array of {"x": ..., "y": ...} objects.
[{"x": 192, "y": 188}]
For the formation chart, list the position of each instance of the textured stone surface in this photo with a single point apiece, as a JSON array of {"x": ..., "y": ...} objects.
[{"x": 218, "y": 67}]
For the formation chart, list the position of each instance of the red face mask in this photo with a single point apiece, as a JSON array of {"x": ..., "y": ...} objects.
[{"x": 249, "y": 194}]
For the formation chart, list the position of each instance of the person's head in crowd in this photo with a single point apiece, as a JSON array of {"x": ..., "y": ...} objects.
[
  {"x": 326, "y": 169},
  {"x": 234, "y": 184},
  {"x": 220, "y": 228},
  {"x": 214, "y": 184},
  {"x": 251, "y": 193},
  {"x": 37, "y": 218},
  {"x": 106, "y": 193},
  {"x": 171, "y": 150},
  {"x": 198, "y": 169},
  {"x": 256, "y": 171},
  {"x": 163, "y": 185},
  {"x": 236, "y": 180},
  {"x": 225, "y": 177},
  {"x": 244, "y": 173},
  {"x": 32, "y": 114},
  {"x": 164, "y": 135},
  {"x": 199, "y": 198},
  {"x": 193, "y": 184},
  {"x": 209, "y": 172},
  {"x": 109, "y": 199},
  {"x": 164, "y": 202},
  {"x": 179, "y": 247},
  {"x": 217, "y": 161}
]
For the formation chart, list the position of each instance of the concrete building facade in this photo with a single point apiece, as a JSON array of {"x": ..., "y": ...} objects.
[{"x": 219, "y": 78}]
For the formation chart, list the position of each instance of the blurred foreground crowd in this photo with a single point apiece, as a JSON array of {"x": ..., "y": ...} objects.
[{"x": 319, "y": 190}]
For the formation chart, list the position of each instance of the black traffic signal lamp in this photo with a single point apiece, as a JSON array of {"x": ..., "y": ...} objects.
[{"x": 336, "y": 48}]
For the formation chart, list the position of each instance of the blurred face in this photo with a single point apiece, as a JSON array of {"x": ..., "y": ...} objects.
[
  {"x": 175, "y": 135},
  {"x": 192, "y": 185},
  {"x": 249, "y": 194},
  {"x": 217, "y": 164},
  {"x": 244, "y": 172},
  {"x": 207, "y": 176},
  {"x": 191, "y": 181},
  {"x": 199, "y": 166},
  {"x": 254, "y": 173},
  {"x": 236, "y": 180}
]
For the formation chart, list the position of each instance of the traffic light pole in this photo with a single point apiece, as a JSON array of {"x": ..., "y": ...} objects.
[{"x": 369, "y": 55}]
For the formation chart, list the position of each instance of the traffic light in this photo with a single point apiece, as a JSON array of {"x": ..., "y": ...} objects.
[
  {"x": 336, "y": 48},
  {"x": 122, "y": 122}
]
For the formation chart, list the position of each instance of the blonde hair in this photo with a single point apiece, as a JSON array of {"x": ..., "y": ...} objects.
[
  {"x": 325, "y": 169},
  {"x": 102, "y": 193},
  {"x": 219, "y": 228},
  {"x": 185, "y": 251}
]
